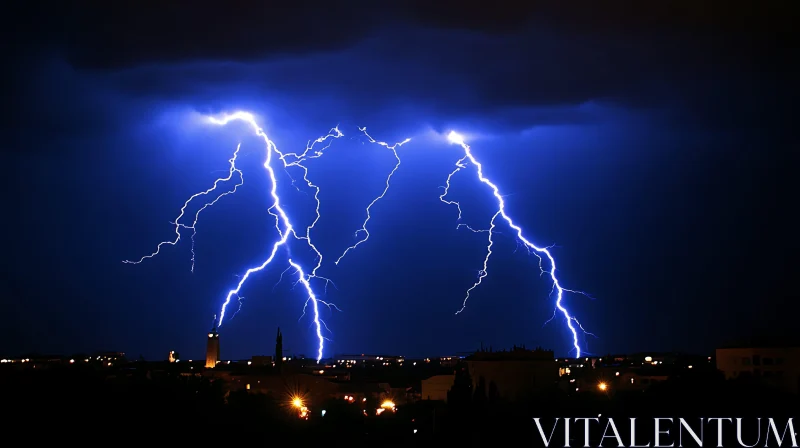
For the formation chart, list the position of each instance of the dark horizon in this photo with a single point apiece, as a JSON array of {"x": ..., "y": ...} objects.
[{"x": 649, "y": 147}]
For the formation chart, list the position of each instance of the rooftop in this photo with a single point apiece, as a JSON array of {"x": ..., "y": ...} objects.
[{"x": 515, "y": 354}]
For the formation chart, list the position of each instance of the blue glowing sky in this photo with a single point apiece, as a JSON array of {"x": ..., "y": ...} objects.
[{"x": 654, "y": 158}]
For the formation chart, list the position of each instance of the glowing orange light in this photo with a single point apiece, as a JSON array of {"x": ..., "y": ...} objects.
[{"x": 388, "y": 404}]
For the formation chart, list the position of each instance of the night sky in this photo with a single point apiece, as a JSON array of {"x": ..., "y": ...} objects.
[{"x": 651, "y": 146}]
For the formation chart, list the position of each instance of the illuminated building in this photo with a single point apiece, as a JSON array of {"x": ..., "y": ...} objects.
[
  {"x": 777, "y": 367},
  {"x": 314, "y": 390},
  {"x": 359, "y": 392},
  {"x": 110, "y": 356},
  {"x": 212, "y": 348},
  {"x": 639, "y": 380},
  {"x": 368, "y": 360},
  {"x": 449, "y": 361},
  {"x": 173, "y": 356}
]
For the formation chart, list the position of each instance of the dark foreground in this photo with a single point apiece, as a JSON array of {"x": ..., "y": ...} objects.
[{"x": 68, "y": 404}]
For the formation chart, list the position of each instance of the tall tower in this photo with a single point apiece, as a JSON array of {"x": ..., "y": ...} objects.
[
  {"x": 279, "y": 349},
  {"x": 212, "y": 348}
]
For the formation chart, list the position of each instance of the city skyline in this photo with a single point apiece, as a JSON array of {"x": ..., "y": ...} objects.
[{"x": 278, "y": 351}]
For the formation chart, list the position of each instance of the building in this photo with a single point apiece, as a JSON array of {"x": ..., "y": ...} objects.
[
  {"x": 513, "y": 374},
  {"x": 449, "y": 361},
  {"x": 212, "y": 348},
  {"x": 436, "y": 387},
  {"x": 777, "y": 367},
  {"x": 613, "y": 378},
  {"x": 279, "y": 350},
  {"x": 350, "y": 360},
  {"x": 642, "y": 380},
  {"x": 109, "y": 358},
  {"x": 332, "y": 374},
  {"x": 360, "y": 392},
  {"x": 262, "y": 361}
]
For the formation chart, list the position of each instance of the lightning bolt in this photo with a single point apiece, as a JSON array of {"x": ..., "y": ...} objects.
[
  {"x": 540, "y": 252},
  {"x": 363, "y": 230},
  {"x": 296, "y": 160},
  {"x": 283, "y": 224},
  {"x": 193, "y": 226},
  {"x": 287, "y": 230},
  {"x": 292, "y": 159}
]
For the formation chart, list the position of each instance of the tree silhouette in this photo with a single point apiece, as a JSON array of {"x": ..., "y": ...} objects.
[
  {"x": 461, "y": 392},
  {"x": 479, "y": 396}
]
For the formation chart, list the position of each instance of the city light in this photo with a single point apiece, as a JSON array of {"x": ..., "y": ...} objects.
[
  {"x": 602, "y": 386},
  {"x": 387, "y": 405},
  {"x": 300, "y": 406}
]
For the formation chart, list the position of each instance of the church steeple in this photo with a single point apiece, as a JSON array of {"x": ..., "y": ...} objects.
[
  {"x": 213, "y": 326},
  {"x": 212, "y": 347},
  {"x": 279, "y": 349}
]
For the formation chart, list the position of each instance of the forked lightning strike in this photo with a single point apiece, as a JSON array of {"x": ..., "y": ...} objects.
[
  {"x": 193, "y": 226},
  {"x": 485, "y": 271},
  {"x": 291, "y": 159},
  {"x": 286, "y": 229},
  {"x": 363, "y": 230},
  {"x": 282, "y": 223},
  {"x": 455, "y": 138}
]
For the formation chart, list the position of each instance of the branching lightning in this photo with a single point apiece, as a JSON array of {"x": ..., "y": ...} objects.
[
  {"x": 286, "y": 229},
  {"x": 193, "y": 226},
  {"x": 282, "y": 222},
  {"x": 363, "y": 230},
  {"x": 292, "y": 159},
  {"x": 540, "y": 252},
  {"x": 485, "y": 271}
]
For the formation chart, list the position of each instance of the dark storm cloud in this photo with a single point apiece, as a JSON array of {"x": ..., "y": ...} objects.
[
  {"x": 403, "y": 71},
  {"x": 129, "y": 33},
  {"x": 142, "y": 32},
  {"x": 125, "y": 33},
  {"x": 531, "y": 69},
  {"x": 507, "y": 64}
]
